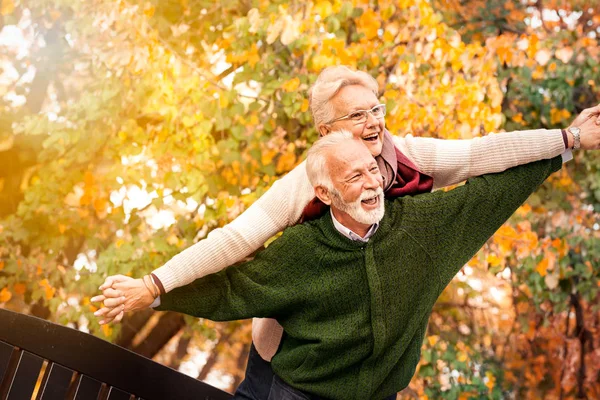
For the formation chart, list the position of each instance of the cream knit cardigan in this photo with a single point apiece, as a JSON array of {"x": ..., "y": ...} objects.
[{"x": 447, "y": 161}]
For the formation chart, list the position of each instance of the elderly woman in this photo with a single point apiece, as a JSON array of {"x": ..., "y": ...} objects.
[{"x": 341, "y": 98}]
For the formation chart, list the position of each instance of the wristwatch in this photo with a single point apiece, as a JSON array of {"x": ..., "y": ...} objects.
[{"x": 576, "y": 137}]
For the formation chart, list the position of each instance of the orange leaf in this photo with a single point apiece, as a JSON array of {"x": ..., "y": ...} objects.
[
  {"x": 107, "y": 330},
  {"x": 1, "y": 265},
  {"x": 542, "y": 267},
  {"x": 5, "y": 295},
  {"x": 19, "y": 288}
]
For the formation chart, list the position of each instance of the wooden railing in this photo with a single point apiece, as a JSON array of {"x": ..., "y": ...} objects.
[{"x": 75, "y": 365}]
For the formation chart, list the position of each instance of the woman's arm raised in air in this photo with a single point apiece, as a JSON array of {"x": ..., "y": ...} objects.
[{"x": 453, "y": 161}]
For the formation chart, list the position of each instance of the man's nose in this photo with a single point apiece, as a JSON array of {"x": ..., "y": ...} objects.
[{"x": 373, "y": 181}]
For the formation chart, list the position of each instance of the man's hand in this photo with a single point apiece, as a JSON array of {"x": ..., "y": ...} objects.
[
  {"x": 121, "y": 293},
  {"x": 589, "y": 123}
]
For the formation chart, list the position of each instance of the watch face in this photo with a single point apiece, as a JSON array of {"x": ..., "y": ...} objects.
[{"x": 575, "y": 130}]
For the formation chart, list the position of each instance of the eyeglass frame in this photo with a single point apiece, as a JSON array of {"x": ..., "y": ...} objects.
[{"x": 347, "y": 116}]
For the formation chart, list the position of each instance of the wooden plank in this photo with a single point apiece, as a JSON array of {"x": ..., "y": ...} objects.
[
  {"x": 116, "y": 394},
  {"x": 87, "y": 388},
  {"x": 56, "y": 386},
  {"x": 26, "y": 376},
  {"x": 94, "y": 357},
  {"x": 6, "y": 352}
]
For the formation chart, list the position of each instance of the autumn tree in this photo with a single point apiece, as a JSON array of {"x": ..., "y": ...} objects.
[{"x": 131, "y": 129}]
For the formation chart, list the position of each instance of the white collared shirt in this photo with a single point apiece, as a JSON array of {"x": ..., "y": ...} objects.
[{"x": 348, "y": 232}]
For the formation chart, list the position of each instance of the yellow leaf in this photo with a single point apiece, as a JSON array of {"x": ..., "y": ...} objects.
[
  {"x": 286, "y": 162},
  {"x": 5, "y": 295},
  {"x": 368, "y": 24},
  {"x": 462, "y": 356},
  {"x": 253, "y": 57},
  {"x": 433, "y": 339},
  {"x": 62, "y": 228},
  {"x": 149, "y": 11},
  {"x": 324, "y": 8},
  {"x": 291, "y": 85},
  {"x": 305, "y": 104},
  {"x": 223, "y": 101},
  {"x": 267, "y": 157},
  {"x": 8, "y": 6}
]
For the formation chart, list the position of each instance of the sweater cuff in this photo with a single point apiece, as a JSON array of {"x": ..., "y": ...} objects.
[{"x": 166, "y": 277}]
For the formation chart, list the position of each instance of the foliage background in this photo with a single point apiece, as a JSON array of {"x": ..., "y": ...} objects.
[{"x": 130, "y": 129}]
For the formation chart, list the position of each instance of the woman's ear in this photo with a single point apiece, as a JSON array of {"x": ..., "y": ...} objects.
[{"x": 323, "y": 194}]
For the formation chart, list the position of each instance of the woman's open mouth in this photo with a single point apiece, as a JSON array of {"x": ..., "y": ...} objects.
[{"x": 372, "y": 137}]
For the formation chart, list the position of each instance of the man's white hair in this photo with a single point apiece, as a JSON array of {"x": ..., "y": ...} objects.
[
  {"x": 329, "y": 82},
  {"x": 316, "y": 160}
]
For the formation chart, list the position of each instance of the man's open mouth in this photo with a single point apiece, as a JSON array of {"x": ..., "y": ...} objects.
[
  {"x": 372, "y": 201},
  {"x": 372, "y": 137}
]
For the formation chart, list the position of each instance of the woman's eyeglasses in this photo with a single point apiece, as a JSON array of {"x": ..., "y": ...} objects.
[{"x": 360, "y": 116}]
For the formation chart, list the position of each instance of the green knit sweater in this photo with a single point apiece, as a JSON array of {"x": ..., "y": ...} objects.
[{"x": 355, "y": 314}]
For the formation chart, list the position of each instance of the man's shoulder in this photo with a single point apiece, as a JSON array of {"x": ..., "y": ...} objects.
[{"x": 304, "y": 232}]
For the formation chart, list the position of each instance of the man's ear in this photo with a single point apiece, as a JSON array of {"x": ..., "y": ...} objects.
[
  {"x": 324, "y": 130},
  {"x": 323, "y": 194}
]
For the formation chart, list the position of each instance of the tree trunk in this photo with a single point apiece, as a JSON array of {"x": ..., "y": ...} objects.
[
  {"x": 182, "y": 349},
  {"x": 131, "y": 326},
  {"x": 167, "y": 327}
]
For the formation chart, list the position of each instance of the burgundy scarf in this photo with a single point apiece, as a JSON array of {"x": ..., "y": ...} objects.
[{"x": 400, "y": 178}]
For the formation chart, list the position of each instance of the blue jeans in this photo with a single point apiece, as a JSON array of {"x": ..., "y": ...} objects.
[
  {"x": 260, "y": 383},
  {"x": 258, "y": 379}
]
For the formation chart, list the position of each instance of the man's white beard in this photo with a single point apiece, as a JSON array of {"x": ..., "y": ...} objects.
[{"x": 355, "y": 210}]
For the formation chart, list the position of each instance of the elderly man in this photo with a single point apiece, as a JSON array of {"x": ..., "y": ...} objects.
[{"x": 354, "y": 289}]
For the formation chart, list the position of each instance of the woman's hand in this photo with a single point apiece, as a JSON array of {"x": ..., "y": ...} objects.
[{"x": 119, "y": 294}]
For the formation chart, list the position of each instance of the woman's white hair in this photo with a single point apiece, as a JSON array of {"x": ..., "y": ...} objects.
[
  {"x": 316, "y": 160},
  {"x": 328, "y": 84}
]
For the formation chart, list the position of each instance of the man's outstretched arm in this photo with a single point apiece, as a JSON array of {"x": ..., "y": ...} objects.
[
  {"x": 460, "y": 221},
  {"x": 257, "y": 288}
]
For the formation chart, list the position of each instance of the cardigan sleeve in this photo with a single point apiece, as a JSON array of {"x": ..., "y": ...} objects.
[
  {"x": 452, "y": 226},
  {"x": 262, "y": 287},
  {"x": 452, "y": 161},
  {"x": 281, "y": 206}
]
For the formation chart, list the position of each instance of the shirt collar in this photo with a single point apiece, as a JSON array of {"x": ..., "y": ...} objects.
[{"x": 351, "y": 235}]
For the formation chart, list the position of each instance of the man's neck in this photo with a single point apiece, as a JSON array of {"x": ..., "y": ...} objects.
[{"x": 350, "y": 223}]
